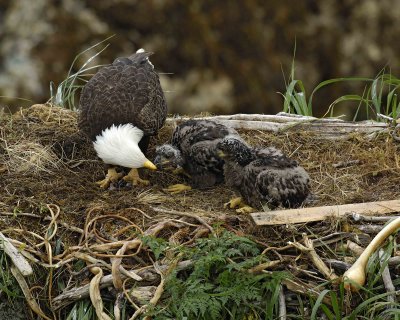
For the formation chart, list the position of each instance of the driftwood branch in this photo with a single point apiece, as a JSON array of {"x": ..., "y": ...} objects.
[
  {"x": 321, "y": 213},
  {"x": 326, "y": 128}
]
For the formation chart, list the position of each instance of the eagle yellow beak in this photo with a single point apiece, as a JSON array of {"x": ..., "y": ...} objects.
[{"x": 149, "y": 165}]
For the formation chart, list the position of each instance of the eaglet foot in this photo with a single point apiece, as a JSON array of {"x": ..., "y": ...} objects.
[
  {"x": 111, "y": 176},
  {"x": 177, "y": 188},
  {"x": 133, "y": 178},
  {"x": 240, "y": 204},
  {"x": 234, "y": 203},
  {"x": 245, "y": 209}
]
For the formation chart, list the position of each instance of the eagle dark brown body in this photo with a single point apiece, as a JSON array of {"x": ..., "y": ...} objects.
[
  {"x": 264, "y": 175},
  {"x": 127, "y": 91},
  {"x": 193, "y": 147}
]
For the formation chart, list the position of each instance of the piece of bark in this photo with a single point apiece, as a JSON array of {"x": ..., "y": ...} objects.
[
  {"x": 321, "y": 213},
  {"x": 16, "y": 257}
]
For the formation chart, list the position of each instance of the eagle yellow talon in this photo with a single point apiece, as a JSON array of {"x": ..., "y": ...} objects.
[
  {"x": 111, "y": 176},
  {"x": 234, "y": 203},
  {"x": 177, "y": 188},
  {"x": 134, "y": 179}
]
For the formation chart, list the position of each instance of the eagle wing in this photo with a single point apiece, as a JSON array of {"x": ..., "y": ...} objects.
[
  {"x": 283, "y": 186},
  {"x": 127, "y": 91}
]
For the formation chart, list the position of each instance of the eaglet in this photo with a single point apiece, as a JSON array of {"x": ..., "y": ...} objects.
[
  {"x": 193, "y": 152},
  {"x": 121, "y": 106},
  {"x": 263, "y": 176}
]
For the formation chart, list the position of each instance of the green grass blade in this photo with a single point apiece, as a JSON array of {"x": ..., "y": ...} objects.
[
  {"x": 318, "y": 304},
  {"x": 332, "y": 81}
]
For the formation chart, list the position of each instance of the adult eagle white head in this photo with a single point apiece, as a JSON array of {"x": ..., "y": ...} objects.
[{"x": 121, "y": 106}]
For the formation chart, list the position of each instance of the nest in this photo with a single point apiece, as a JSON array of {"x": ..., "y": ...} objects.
[{"x": 49, "y": 171}]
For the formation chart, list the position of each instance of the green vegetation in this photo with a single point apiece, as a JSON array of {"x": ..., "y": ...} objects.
[
  {"x": 65, "y": 95},
  {"x": 379, "y": 96},
  {"x": 219, "y": 285},
  {"x": 372, "y": 302}
]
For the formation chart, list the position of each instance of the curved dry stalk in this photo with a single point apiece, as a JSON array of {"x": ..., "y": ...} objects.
[
  {"x": 355, "y": 277},
  {"x": 115, "y": 264},
  {"x": 52, "y": 225},
  {"x": 157, "y": 295},
  {"x": 185, "y": 214},
  {"x": 27, "y": 293},
  {"x": 94, "y": 293}
]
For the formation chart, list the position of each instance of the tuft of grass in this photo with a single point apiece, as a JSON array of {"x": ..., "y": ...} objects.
[
  {"x": 8, "y": 285},
  {"x": 31, "y": 157},
  {"x": 372, "y": 302},
  {"x": 65, "y": 93},
  {"x": 379, "y": 98}
]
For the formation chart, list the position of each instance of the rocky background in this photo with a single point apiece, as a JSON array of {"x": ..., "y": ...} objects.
[{"x": 220, "y": 57}]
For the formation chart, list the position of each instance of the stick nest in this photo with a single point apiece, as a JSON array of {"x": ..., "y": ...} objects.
[{"x": 50, "y": 203}]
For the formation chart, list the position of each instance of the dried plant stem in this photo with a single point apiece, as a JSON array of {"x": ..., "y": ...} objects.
[
  {"x": 27, "y": 293},
  {"x": 74, "y": 294},
  {"x": 94, "y": 292},
  {"x": 355, "y": 277},
  {"x": 282, "y": 305},
  {"x": 317, "y": 261},
  {"x": 266, "y": 265},
  {"x": 185, "y": 214}
]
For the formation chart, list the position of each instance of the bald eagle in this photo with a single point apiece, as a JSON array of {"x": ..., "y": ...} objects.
[
  {"x": 193, "y": 152},
  {"x": 263, "y": 176},
  {"x": 121, "y": 106}
]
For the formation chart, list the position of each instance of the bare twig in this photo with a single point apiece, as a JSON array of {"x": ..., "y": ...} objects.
[
  {"x": 359, "y": 217},
  {"x": 354, "y": 247},
  {"x": 373, "y": 228},
  {"x": 266, "y": 265},
  {"x": 387, "y": 280},
  {"x": 317, "y": 261},
  {"x": 344, "y": 164},
  {"x": 282, "y": 305}
]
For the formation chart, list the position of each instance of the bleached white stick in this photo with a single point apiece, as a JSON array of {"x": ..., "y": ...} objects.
[{"x": 16, "y": 257}]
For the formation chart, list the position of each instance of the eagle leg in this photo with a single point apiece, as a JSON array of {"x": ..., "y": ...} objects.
[
  {"x": 111, "y": 176},
  {"x": 133, "y": 177},
  {"x": 177, "y": 188}
]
